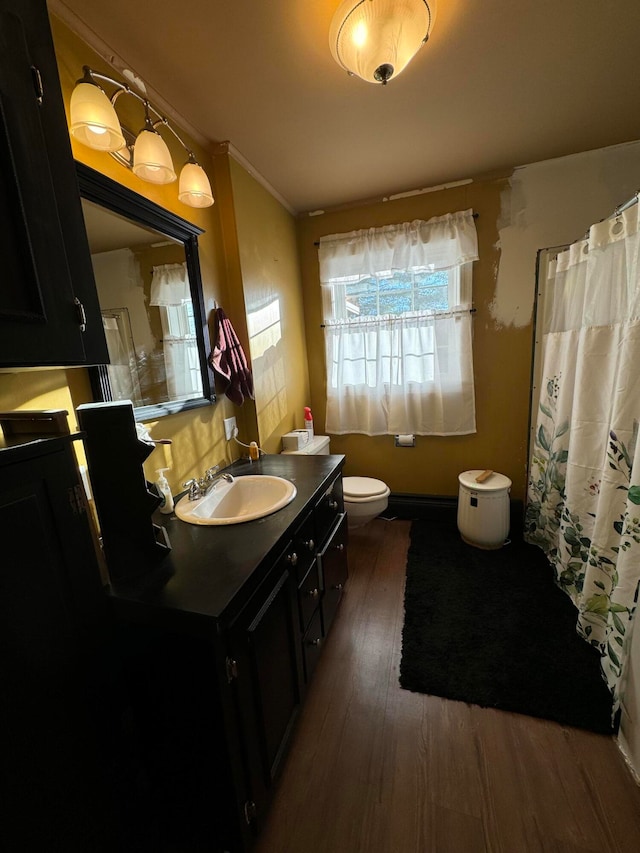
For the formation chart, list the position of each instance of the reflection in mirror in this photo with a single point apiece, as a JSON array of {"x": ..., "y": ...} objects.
[{"x": 151, "y": 307}]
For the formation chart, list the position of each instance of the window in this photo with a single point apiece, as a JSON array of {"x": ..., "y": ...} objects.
[
  {"x": 177, "y": 320},
  {"x": 398, "y": 328},
  {"x": 170, "y": 292},
  {"x": 394, "y": 292}
]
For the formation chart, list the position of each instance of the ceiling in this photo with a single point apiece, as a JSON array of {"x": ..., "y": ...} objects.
[{"x": 501, "y": 83}]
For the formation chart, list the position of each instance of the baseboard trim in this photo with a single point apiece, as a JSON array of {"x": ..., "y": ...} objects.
[
  {"x": 429, "y": 507},
  {"x": 440, "y": 508}
]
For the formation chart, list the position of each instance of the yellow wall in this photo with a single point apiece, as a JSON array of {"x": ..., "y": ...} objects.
[
  {"x": 198, "y": 435},
  {"x": 275, "y": 314},
  {"x": 502, "y": 355},
  {"x": 248, "y": 259}
]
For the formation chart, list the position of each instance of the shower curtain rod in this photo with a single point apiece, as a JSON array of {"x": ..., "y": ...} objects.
[
  {"x": 627, "y": 204},
  {"x": 619, "y": 209}
]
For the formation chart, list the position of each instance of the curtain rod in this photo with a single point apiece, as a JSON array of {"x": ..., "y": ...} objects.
[
  {"x": 627, "y": 204},
  {"x": 471, "y": 311},
  {"x": 619, "y": 209},
  {"x": 475, "y": 216}
]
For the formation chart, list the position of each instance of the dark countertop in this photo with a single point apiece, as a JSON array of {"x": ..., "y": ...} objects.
[{"x": 212, "y": 570}]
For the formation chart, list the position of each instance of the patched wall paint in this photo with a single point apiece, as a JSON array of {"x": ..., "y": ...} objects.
[{"x": 549, "y": 204}]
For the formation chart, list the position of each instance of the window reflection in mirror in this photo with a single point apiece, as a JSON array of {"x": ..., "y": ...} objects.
[
  {"x": 147, "y": 312},
  {"x": 147, "y": 272}
]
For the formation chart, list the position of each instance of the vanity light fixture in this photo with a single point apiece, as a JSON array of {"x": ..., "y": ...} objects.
[
  {"x": 95, "y": 123},
  {"x": 376, "y": 39}
]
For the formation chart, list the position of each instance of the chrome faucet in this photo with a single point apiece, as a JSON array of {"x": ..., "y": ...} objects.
[{"x": 200, "y": 487}]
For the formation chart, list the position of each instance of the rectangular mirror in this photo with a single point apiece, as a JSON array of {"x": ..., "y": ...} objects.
[{"x": 145, "y": 262}]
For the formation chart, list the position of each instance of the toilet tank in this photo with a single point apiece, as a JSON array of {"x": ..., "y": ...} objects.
[{"x": 318, "y": 446}]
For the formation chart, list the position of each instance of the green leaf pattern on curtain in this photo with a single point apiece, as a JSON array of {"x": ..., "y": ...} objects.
[{"x": 591, "y": 536}]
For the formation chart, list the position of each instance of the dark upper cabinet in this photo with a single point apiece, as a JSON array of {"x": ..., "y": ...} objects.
[{"x": 49, "y": 311}]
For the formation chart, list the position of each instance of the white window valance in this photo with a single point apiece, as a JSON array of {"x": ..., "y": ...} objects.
[
  {"x": 443, "y": 242},
  {"x": 170, "y": 285}
]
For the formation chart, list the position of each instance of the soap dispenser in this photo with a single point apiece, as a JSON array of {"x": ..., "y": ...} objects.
[{"x": 165, "y": 492}]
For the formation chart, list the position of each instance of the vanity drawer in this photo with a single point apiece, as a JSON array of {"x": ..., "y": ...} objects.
[
  {"x": 334, "y": 571},
  {"x": 309, "y": 595},
  {"x": 328, "y": 510},
  {"x": 303, "y": 548},
  {"x": 312, "y": 645}
]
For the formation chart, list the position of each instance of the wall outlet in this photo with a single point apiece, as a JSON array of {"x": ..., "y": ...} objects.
[{"x": 229, "y": 428}]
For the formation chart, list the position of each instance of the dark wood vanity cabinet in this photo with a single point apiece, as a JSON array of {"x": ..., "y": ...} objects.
[
  {"x": 49, "y": 311},
  {"x": 264, "y": 669},
  {"x": 334, "y": 571},
  {"x": 318, "y": 554},
  {"x": 331, "y": 532},
  {"x": 218, "y": 670}
]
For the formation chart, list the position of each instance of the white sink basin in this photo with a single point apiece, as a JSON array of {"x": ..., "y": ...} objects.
[{"x": 245, "y": 499}]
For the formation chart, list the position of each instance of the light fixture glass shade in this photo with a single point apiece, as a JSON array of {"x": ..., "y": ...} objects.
[
  {"x": 93, "y": 119},
  {"x": 376, "y": 39},
  {"x": 194, "y": 188},
  {"x": 151, "y": 158}
]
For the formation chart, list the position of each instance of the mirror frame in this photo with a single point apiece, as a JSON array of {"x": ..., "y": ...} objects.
[{"x": 98, "y": 188}]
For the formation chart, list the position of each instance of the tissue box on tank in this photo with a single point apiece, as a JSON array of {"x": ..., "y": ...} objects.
[{"x": 295, "y": 440}]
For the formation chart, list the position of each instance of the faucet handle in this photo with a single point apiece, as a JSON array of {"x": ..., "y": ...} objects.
[
  {"x": 210, "y": 473},
  {"x": 194, "y": 489}
]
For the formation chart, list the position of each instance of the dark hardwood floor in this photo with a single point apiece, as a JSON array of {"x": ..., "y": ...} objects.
[{"x": 379, "y": 769}]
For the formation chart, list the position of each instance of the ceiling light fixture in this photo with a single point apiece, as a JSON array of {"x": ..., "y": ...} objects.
[
  {"x": 95, "y": 123},
  {"x": 376, "y": 39}
]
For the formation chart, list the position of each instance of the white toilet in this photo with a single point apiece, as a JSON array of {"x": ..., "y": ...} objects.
[{"x": 364, "y": 497}]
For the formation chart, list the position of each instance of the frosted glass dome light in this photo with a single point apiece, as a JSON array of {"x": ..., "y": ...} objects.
[
  {"x": 376, "y": 39},
  {"x": 93, "y": 118},
  {"x": 194, "y": 188},
  {"x": 151, "y": 158}
]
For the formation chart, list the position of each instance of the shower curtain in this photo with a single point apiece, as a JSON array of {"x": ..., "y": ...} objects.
[{"x": 583, "y": 502}]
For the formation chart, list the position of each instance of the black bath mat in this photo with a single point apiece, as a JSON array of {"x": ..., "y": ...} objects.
[{"x": 492, "y": 628}]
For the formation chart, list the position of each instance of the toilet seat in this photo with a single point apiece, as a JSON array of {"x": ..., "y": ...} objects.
[{"x": 363, "y": 489}]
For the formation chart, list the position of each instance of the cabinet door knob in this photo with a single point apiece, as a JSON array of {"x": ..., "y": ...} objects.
[
  {"x": 333, "y": 504},
  {"x": 340, "y": 547},
  {"x": 316, "y": 642},
  {"x": 310, "y": 544},
  {"x": 313, "y": 593},
  {"x": 337, "y": 586},
  {"x": 292, "y": 559}
]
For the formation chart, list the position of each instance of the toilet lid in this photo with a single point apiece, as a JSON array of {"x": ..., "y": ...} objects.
[{"x": 363, "y": 487}]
